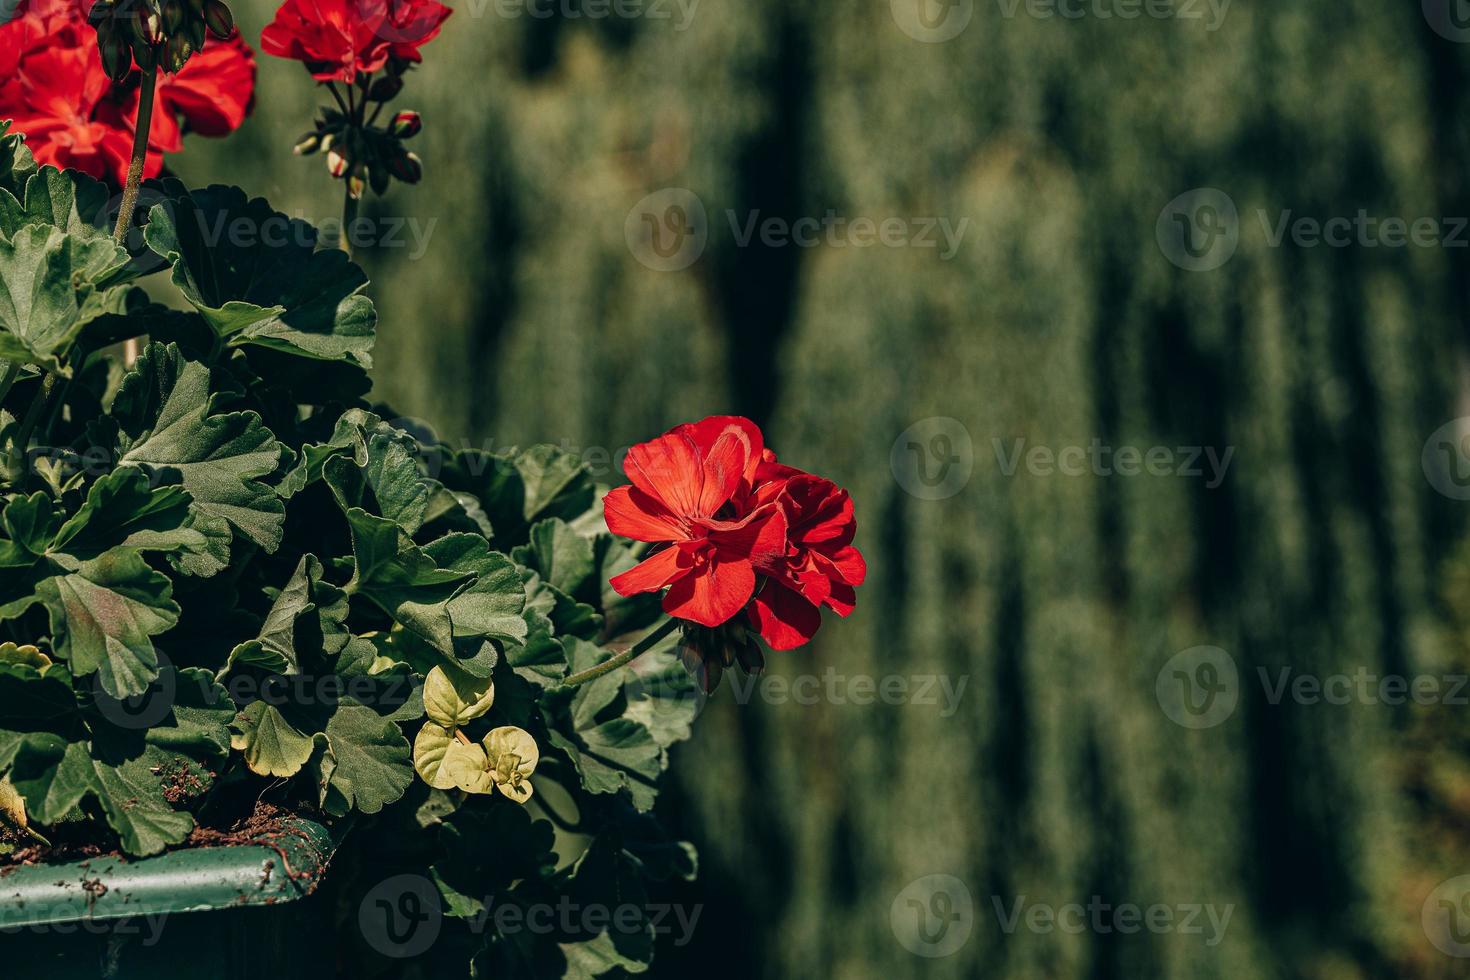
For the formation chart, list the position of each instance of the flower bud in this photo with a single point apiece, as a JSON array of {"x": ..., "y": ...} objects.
[
  {"x": 307, "y": 145},
  {"x": 144, "y": 55},
  {"x": 150, "y": 26},
  {"x": 356, "y": 185},
  {"x": 173, "y": 16},
  {"x": 407, "y": 167},
  {"x": 101, "y": 12},
  {"x": 177, "y": 53},
  {"x": 385, "y": 88},
  {"x": 117, "y": 54},
  {"x": 217, "y": 15},
  {"x": 337, "y": 164},
  {"x": 379, "y": 179},
  {"x": 194, "y": 31},
  {"x": 406, "y": 124}
]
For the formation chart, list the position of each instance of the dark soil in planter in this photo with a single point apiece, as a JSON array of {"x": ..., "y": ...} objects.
[{"x": 77, "y": 840}]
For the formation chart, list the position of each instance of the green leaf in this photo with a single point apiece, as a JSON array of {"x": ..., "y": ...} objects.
[
  {"x": 258, "y": 279},
  {"x": 50, "y": 288},
  {"x": 103, "y": 616},
  {"x": 363, "y": 763},
  {"x": 164, "y": 410},
  {"x": 123, "y": 509},
  {"x": 494, "y": 605},
  {"x": 399, "y": 578},
  {"x": 562, "y": 556},
  {"x": 16, "y": 162},
  {"x": 453, "y": 699},
  {"x": 272, "y": 746},
  {"x": 65, "y": 199},
  {"x": 609, "y": 754}
]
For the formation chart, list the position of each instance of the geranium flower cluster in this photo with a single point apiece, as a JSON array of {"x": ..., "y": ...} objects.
[
  {"x": 742, "y": 543},
  {"x": 54, "y": 90},
  {"x": 365, "y": 46}
]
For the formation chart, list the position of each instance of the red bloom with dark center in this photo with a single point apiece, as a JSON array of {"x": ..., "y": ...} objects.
[
  {"x": 337, "y": 39},
  {"x": 820, "y": 566},
  {"x": 683, "y": 485}
]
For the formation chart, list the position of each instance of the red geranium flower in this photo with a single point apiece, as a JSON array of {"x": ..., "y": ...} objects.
[
  {"x": 820, "y": 567},
  {"x": 337, "y": 39},
  {"x": 58, "y": 96},
  {"x": 738, "y": 532},
  {"x": 53, "y": 102},
  {"x": 683, "y": 484}
]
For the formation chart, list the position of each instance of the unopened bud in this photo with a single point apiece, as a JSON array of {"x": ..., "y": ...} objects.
[
  {"x": 355, "y": 186},
  {"x": 406, "y": 124},
  {"x": 307, "y": 145},
  {"x": 407, "y": 167},
  {"x": 101, "y": 12},
  {"x": 117, "y": 54},
  {"x": 173, "y": 16},
  {"x": 385, "y": 88},
  {"x": 336, "y": 164},
  {"x": 217, "y": 15},
  {"x": 176, "y": 55}
]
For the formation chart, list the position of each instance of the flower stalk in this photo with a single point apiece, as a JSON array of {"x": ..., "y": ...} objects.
[
  {"x": 626, "y": 657},
  {"x": 140, "y": 156}
]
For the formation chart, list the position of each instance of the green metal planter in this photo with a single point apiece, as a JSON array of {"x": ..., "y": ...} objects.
[{"x": 213, "y": 912}]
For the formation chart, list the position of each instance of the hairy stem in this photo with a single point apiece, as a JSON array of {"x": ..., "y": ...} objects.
[
  {"x": 135, "y": 179},
  {"x": 349, "y": 217},
  {"x": 628, "y": 656}
]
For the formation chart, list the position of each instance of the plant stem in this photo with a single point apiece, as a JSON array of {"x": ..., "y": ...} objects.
[
  {"x": 626, "y": 657},
  {"x": 135, "y": 178},
  {"x": 459, "y": 733},
  {"x": 349, "y": 218},
  {"x": 34, "y": 414},
  {"x": 7, "y": 380}
]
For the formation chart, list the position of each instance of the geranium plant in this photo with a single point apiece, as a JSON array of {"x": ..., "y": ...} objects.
[{"x": 226, "y": 578}]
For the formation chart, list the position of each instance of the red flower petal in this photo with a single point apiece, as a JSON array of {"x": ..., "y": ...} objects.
[
  {"x": 713, "y": 593},
  {"x": 653, "y": 573},
  {"x": 783, "y": 618},
  {"x": 669, "y": 469},
  {"x": 631, "y": 513}
]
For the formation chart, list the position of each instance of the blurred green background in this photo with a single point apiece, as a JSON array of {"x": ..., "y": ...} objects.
[{"x": 518, "y": 305}]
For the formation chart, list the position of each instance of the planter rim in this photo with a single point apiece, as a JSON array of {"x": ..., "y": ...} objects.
[{"x": 283, "y": 868}]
